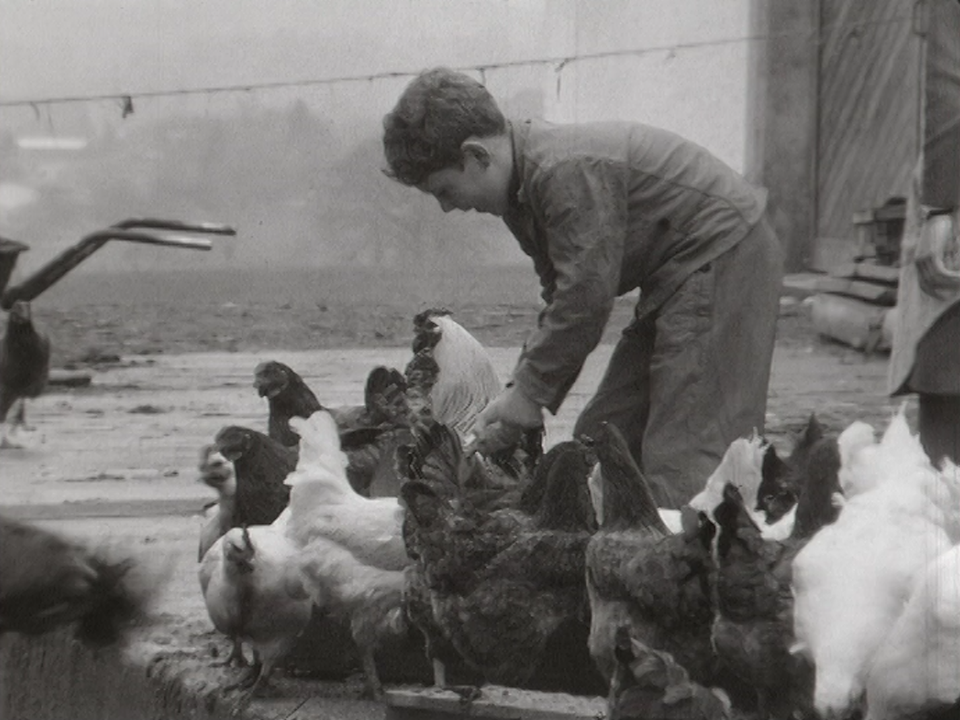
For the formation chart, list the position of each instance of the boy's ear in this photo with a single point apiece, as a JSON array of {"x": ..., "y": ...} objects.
[{"x": 476, "y": 149}]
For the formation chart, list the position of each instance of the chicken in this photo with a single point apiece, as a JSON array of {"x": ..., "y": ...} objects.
[
  {"x": 745, "y": 464},
  {"x": 500, "y": 589},
  {"x": 287, "y": 395},
  {"x": 436, "y": 460},
  {"x": 217, "y": 472},
  {"x": 916, "y": 670},
  {"x": 253, "y": 592},
  {"x": 48, "y": 581},
  {"x": 642, "y": 576},
  {"x": 323, "y": 504},
  {"x": 351, "y": 551},
  {"x": 24, "y": 369},
  {"x": 450, "y": 373},
  {"x": 369, "y": 433},
  {"x": 851, "y": 580},
  {"x": 783, "y": 481},
  {"x": 368, "y": 597},
  {"x": 261, "y": 465},
  {"x": 753, "y": 630},
  {"x": 650, "y": 685}
]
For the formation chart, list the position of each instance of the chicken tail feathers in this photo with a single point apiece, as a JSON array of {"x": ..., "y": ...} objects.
[
  {"x": 627, "y": 498},
  {"x": 116, "y": 603},
  {"x": 51, "y": 582},
  {"x": 435, "y": 457},
  {"x": 733, "y": 519}
]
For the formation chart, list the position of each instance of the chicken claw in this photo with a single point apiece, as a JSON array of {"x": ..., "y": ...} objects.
[{"x": 236, "y": 657}]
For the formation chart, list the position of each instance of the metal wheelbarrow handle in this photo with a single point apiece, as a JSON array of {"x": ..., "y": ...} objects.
[
  {"x": 63, "y": 263},
  {"x": 175, "y": 225}
]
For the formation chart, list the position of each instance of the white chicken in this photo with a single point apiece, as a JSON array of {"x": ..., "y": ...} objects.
[
  {"x": 742, "y": 466},
  {"x": 352, "y": 554},
  {"x": 368, "y": 597},
  {"x": 323, "y": 504},
  {"x": 218, "y": 473},
  {"x": 917, "y": 668},
  {"x": 252, "y": 589},
  {"x": 850, "y": 582}
]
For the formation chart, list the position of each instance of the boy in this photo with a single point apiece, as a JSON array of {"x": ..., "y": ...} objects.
[{"x": 602, "y": 209}]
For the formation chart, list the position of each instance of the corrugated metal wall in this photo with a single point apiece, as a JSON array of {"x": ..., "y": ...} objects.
[{"x": 867, "y": 134}]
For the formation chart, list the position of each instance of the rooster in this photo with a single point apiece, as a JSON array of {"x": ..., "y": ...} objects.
[
  {"x": 649, "y": 684},
  {"x": 500, "y": 589},
  {"x": 24, "y": 368},
  {"x": 450, "y": 372},
  {"x": 850, "y": 582},
  {"x": 261, "y": 465},
  {"x": 253, "y": 592},
  {"x": 642, "y": 576},
  {"x": 48, "y": 581}
]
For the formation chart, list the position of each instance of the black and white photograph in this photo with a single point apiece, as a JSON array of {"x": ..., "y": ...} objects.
[{"x": 496, "y": 359}]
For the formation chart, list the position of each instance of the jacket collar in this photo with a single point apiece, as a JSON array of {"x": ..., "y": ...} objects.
[{"x": 518, "y": 141}]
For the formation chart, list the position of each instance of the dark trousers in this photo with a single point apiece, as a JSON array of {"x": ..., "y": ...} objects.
[
  {"x": 939, "y": 421},
  {"x": 688, "y": 380}
]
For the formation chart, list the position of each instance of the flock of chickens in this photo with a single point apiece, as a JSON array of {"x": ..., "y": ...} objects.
[
  {"x": 821, "y": 585},
  {"x": 826, "y": 584}
]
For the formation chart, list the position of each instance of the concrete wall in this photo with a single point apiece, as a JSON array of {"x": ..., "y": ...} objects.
[{"x": 689, "y": 73}]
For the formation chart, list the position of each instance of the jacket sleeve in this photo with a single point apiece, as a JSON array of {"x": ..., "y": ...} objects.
[{"x": 582, "y": 207}]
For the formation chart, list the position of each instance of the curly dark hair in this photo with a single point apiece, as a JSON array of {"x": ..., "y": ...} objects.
[{"x": 438, "y": 110}]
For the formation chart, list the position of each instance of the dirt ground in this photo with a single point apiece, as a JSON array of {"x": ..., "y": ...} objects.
[{"x": 116, "y": 461}]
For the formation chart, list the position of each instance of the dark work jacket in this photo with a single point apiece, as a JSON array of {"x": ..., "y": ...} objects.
[{"x": 603, "y": 209}]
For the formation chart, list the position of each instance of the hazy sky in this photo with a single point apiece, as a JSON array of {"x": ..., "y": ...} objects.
[
  {"x": 55, "y": 48},
  {"x": 70, "y": 47}
]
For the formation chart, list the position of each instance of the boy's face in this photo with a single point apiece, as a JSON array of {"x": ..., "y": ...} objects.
[{"x": 478, "y": 185}]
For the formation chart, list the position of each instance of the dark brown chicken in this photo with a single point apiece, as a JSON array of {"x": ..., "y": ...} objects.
[
  {"x": 369, "y": 433},
  {"x": 288, "y": 396},
  {"x": 48, "y": 581},
  {"x": 24, "y": 367},
  {"x": 753, "y": 631},
  {"x": 641, "y": 576},
  {"x": 783, "y": 481},
  {"x": 499, "y": 587},
  {"x": 649, "y": 685},
  {"x": 261, "y": 464}
]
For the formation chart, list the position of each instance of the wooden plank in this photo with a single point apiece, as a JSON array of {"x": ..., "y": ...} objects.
[
  {"x": 492, "y": 702},
  {"x": 868, "y": 271},
  {"x": 875, "y": 293},
  {"x": 867, "y": 121},
  {"x": 69, "y": 378}
]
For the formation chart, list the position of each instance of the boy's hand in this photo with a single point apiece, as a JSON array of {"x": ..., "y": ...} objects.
[{"x": 503, "y": 421}]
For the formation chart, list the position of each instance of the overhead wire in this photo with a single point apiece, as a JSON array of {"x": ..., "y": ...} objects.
[{"x": 559, "y": 62}]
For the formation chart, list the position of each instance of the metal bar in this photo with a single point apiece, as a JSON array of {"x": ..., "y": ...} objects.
[
  {"x": 176, "y": 225},
  {"x": 63, "y": 263}
]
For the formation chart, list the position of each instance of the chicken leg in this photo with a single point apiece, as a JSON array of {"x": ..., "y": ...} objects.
[{"x": 20, "y": 416}]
